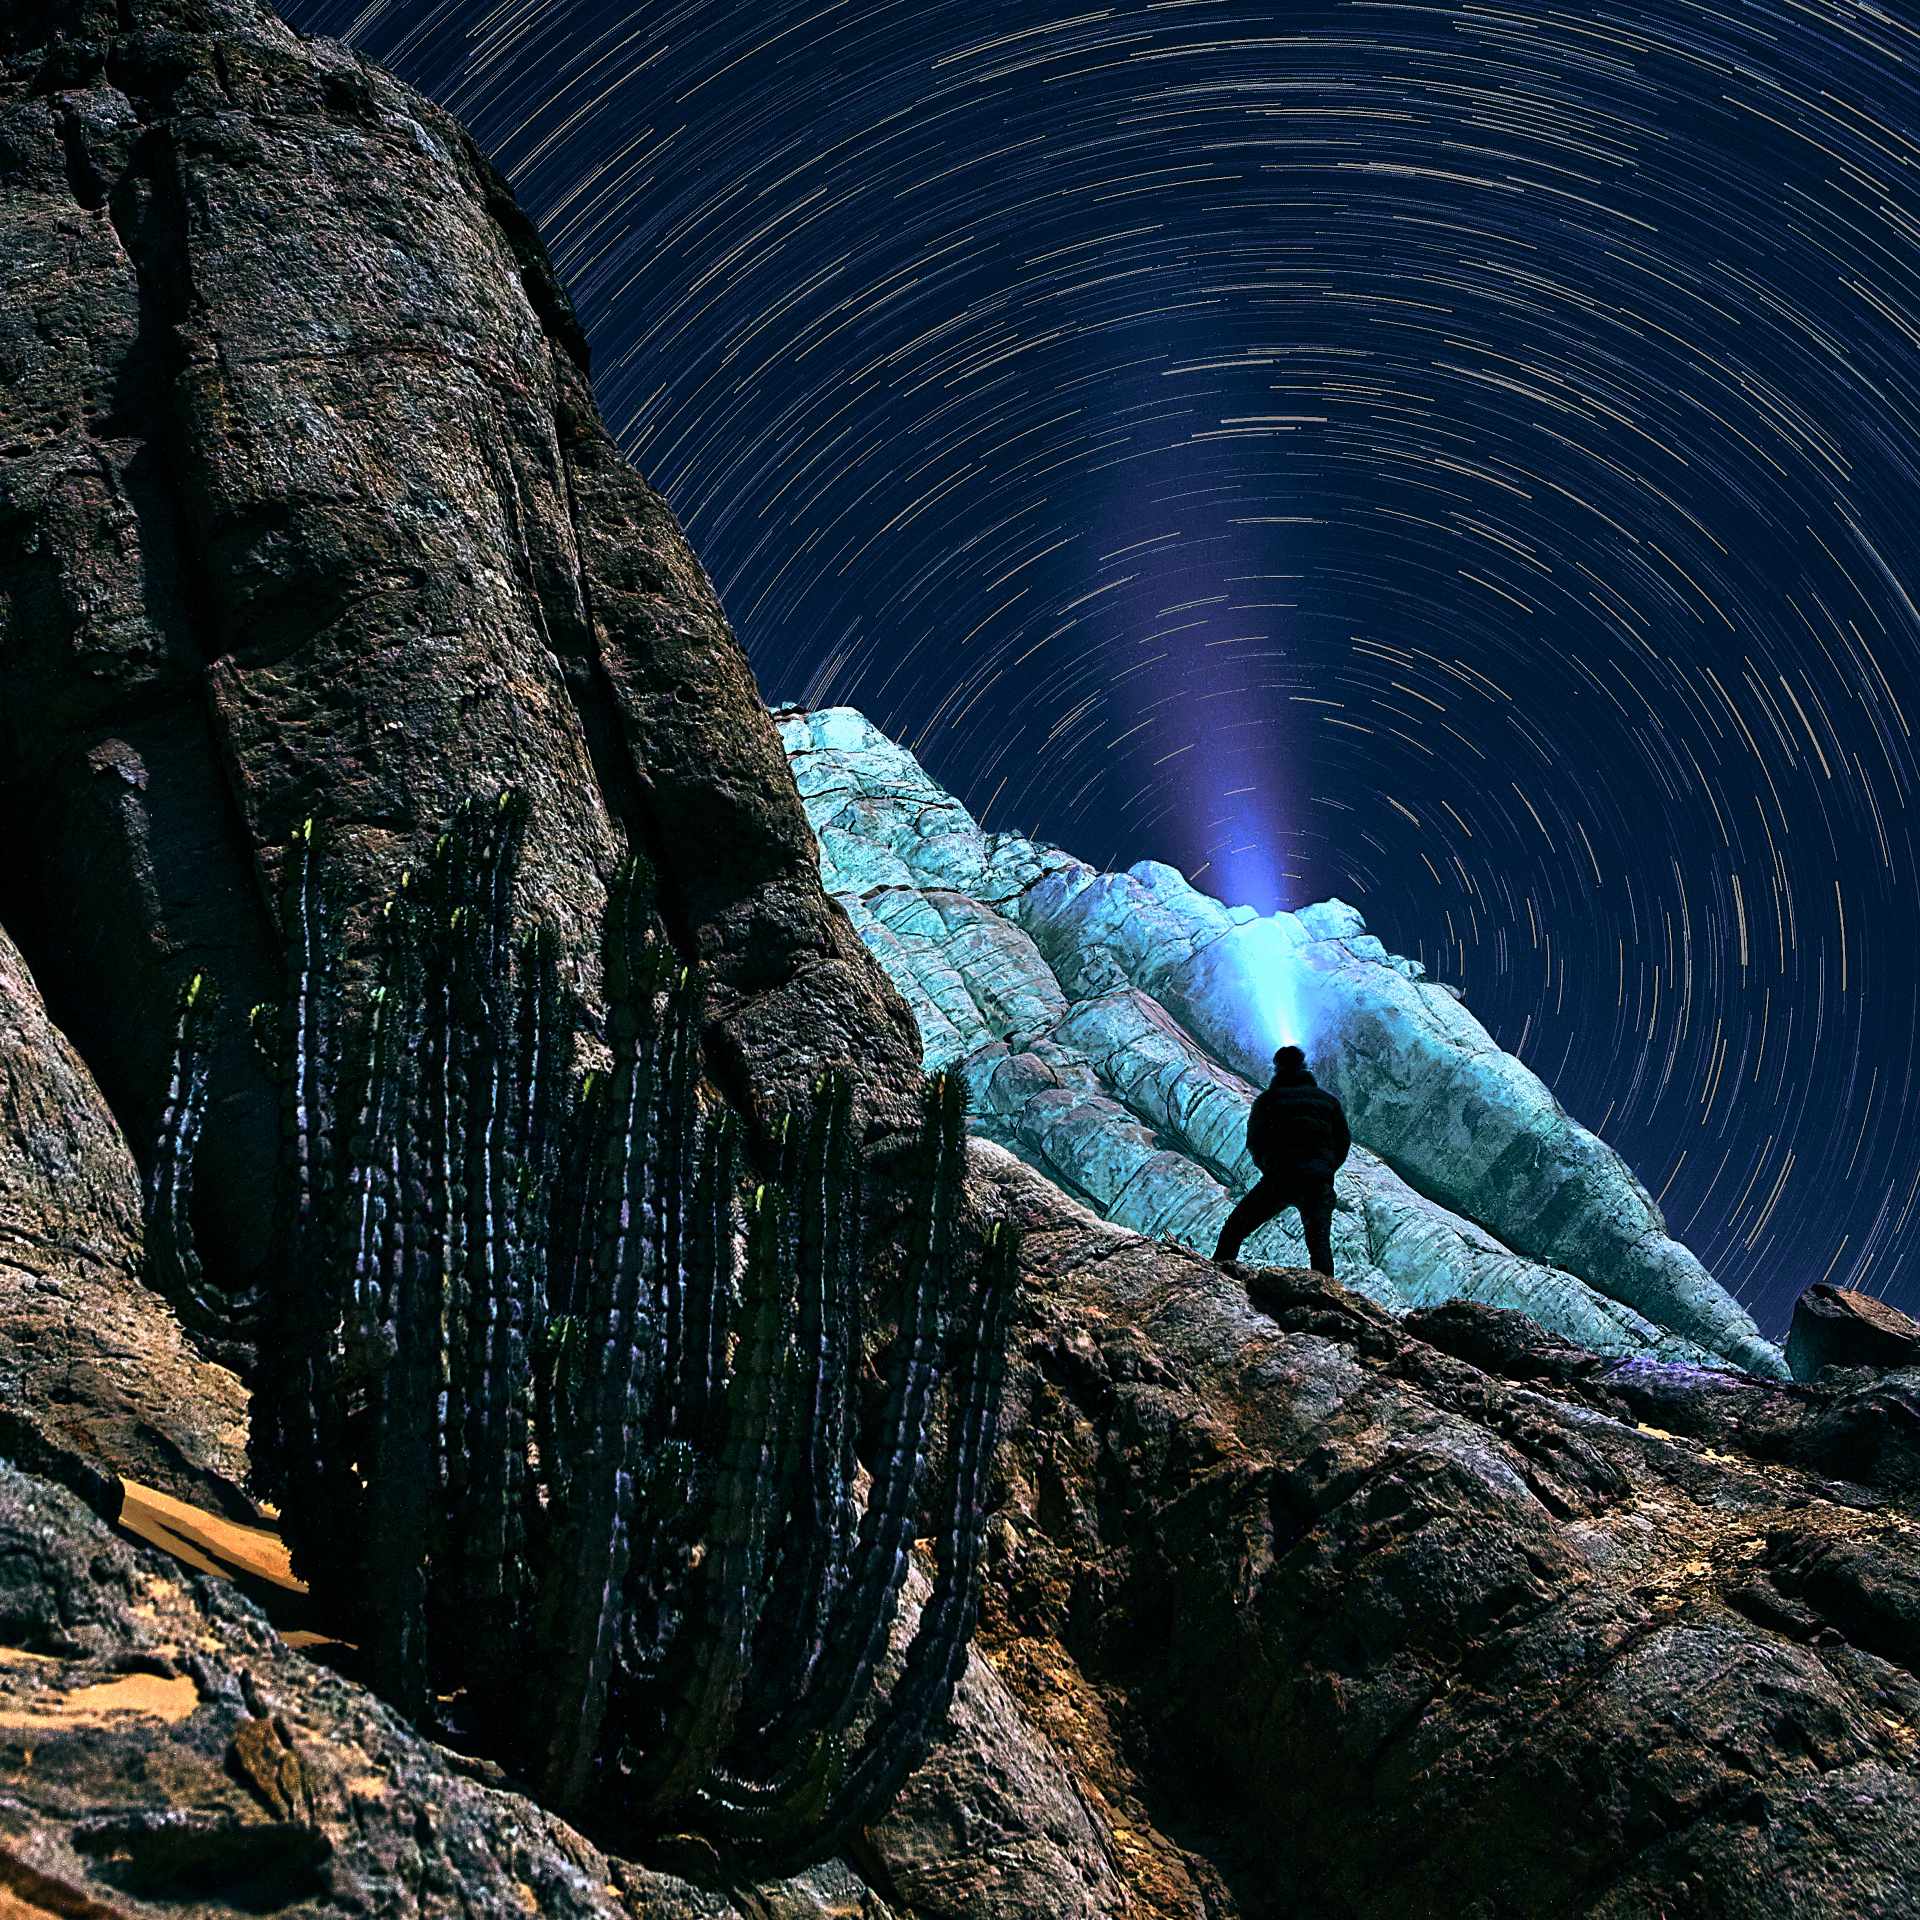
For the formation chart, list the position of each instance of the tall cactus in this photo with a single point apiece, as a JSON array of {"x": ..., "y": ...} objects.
[
  {"x": 172, "y": 1259},
  {"x": 559, "y": 1413},
  {"x": 300, "y": 1449}
]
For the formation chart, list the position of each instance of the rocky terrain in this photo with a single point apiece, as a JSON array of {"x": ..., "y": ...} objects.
[
  {"x": 1298, "y": 1606},
  {"x": 1114, "y": 1028}
]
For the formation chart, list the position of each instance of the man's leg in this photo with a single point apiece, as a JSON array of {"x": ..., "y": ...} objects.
[
  {"x": 1262, "y": 1202},
  {"x": 1315, "y": 1202}
]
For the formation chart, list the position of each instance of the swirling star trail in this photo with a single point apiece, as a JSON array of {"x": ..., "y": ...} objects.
[{"x": 1459, "y": 458}]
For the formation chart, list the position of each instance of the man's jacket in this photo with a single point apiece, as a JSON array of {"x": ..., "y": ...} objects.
[{"x": 1298, "y": 1129}]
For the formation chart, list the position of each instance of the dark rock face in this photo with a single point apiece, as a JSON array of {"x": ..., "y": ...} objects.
[
  {"x": 158, "y": 1743},
  {"x": 1472, "y": 1623},
  {"x": 1837, "y": 1327},
  {"x": 96, "y": 1378},
  {"x": 305, "y": 509}
]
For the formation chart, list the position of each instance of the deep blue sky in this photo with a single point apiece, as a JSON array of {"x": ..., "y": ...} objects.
[{"x": 1457, "y": 458}]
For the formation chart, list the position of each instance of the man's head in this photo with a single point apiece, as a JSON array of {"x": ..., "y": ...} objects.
[{"x": 1289, "y": 1060}]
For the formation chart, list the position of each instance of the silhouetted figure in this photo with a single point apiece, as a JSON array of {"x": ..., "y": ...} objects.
[{"x": 1297, "y": 1135}]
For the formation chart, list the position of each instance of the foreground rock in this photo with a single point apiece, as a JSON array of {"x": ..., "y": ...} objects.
[
  {"x": 1114, "y": 1027},
  {"x": 1838, "y": 1327},
  {"x": 1446, "y": 1616},
  {"x": 161, "y": 1751},
  {"x": 96, "y": 1378},
  {"x": 158, "y": 1741}
]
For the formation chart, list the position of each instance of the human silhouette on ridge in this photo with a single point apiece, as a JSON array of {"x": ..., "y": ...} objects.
[{"x": 1297, "y": 1135}]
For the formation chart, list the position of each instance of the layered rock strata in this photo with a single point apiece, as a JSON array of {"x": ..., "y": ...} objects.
[{"x": 1115, "y": 1026}]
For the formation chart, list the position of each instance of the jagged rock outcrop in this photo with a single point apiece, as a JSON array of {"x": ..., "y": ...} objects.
[
  {"x": 305, "y": 511},
  {"x": 305, "y": 508},
  {"x": 1114, "y": 1028},
  {"x": 1443, "y": 1615},
  {"x": 1839, "y": 1327}
]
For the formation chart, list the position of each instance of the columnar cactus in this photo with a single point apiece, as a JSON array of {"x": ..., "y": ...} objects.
[
  {"x": 559, "y": 1413},
  {"x": 172, "y": 1261}
]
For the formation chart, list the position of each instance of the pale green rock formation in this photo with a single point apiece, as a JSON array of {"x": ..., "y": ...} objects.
[{"x": 1113, "y": 1028}]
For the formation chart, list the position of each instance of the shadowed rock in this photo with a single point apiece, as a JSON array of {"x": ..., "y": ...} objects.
[
  {"x": 1838, "y": 1327},
  {"x": 215, "y": 1768},
  {"x": 96, "y": 1378}
]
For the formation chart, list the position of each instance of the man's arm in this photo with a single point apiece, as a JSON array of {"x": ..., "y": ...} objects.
[{"x": 1257, "y": 1128}]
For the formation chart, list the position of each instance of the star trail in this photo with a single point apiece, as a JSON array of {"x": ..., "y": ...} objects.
[{"x": 1458, "y": 458}]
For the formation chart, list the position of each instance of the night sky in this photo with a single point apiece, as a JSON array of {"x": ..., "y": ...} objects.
[{"x": 1459, "y": 458}]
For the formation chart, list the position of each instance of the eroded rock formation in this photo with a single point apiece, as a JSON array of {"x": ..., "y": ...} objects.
[
  {"x": 1115, "y": 1027},
  {"x": 305, "y": 508}
]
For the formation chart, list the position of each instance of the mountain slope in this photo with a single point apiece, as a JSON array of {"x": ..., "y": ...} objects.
[{"x": 1114, "y": 1028}]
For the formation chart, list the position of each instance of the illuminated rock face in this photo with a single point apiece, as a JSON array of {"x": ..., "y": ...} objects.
[{"x": 1114, "y": 1027}]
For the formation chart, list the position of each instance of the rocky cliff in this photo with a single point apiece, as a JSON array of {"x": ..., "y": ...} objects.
[
  {"x": 1297, "y": 1607},
  {"x": 1114, "y": 1028},
  {"x": 305, "y": 508}
]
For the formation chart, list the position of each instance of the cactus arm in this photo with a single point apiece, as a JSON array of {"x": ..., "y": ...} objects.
[
  {"x": 584, "y": 1581},
  {"x": 172, "y": 1263},
  {"x": 399, "y": 1486},
  {"x": 301, "y": 1452},
  {"x": 712, "y": 1663},
  {"x": 488, "y": 1562},
  {"x": 863, "y": 1621},
  {"x": 901, "y": 1733},
  {"x": 816, "y": 1495},
  {"x": 368, "y": 1184}
]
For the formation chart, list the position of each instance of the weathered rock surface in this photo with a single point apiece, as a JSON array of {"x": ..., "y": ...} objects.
[
  {"x": 305, "y": 509},
  {"x": 1446, "y": 1616},
  {"x": 94, "y": 1372},
  {"x": 1114, "y": 1028},
  {"x": 162, "y": 1752},
  {"x": 267, "y": 1780},
  {"x": 1839, "y": 1327}
]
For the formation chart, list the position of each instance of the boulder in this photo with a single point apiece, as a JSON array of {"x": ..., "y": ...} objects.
[{"x": 1839, "y": 1327}]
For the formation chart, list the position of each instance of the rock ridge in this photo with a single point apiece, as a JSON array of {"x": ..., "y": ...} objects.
[{"x": 1113, "y": 1028}]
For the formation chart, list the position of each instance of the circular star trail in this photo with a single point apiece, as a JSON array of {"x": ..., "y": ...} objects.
[{"x": 1458, "y": 458}]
